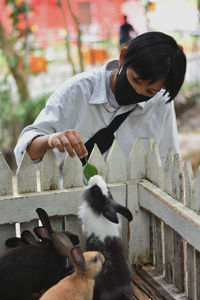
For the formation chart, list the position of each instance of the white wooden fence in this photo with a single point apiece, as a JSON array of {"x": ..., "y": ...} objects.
[{"x": 165, "y": 203}]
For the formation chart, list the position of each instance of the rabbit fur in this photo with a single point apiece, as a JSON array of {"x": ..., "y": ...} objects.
[
  {"x": 79, "y": 285},
  {"x": 32, "y": 265},
  {"x": 101, "y": 226}
]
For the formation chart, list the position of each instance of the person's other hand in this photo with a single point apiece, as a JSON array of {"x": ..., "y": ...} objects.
[{"x": 71, "y": 141}]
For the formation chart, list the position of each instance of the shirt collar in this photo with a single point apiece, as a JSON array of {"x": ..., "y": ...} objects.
[{"x": 99, "y": 94}]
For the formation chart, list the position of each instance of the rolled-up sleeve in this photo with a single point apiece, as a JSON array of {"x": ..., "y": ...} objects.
[{"x": 46, "y": 123}]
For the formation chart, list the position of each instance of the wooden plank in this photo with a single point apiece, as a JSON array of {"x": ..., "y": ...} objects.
[
  {"x": 26, "y": 175},
  {"x": 59, "y": 202},
  {"x": 145, "y": 286},
  {"x": 96, "y": 158},
  {"x": 157, "y": 244},
  {"x": 198, "y": 273},
  {"x": 116, "y": 164},
  {"x": 197, "y": 191},
  {"x": 6, "y": 184},
  {"x": 191, "y": 273},
  {"x": 137, "y": 161},
  {"x": 139, "y": 252},
  {"x": 72, "y": 172},
  {"x": 169, "y": 254},
  {"x": 189, "y": 185},
  {"x": 155, "y": 166},
  {"x": 139, "y": 294},
  {"x": 178, "y": 262},
  {"x": 177, "y": 180},
  {"x": 173, "y": 213},
  {"x": 168, "y": 172},
  {"x": 49, "y": 172},
  {"x": 163, "y": 289}
]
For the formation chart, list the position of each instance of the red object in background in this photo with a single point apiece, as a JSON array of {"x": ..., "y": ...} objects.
[{"x": 37, "y": 64}]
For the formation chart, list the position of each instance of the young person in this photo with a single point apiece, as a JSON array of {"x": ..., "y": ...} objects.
[{"x": 143, "y": 83}]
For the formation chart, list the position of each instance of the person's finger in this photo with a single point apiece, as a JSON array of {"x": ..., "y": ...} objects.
[
  {"x": 83, "y": 149},
  {"x": 66, "y": 143},
  {"x": 74, "y": 141},
  {"x": 57, "y": 143}
]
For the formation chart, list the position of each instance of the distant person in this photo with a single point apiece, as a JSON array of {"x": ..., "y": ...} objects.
[{"x": 126, "y": 33}]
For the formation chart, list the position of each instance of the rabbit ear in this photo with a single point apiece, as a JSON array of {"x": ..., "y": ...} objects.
[
  {"x": 73, "y": 238},
  {"x": 42, "y": 233},
  {"x": 77, "y": 256},
  {"x": 122, "y": 210},
  {"x": 109, "y": 213},
  {"x": 44, "y": 218},
  {"x": 13, "y": 242},
  {"x": 62, "y": 243},
  {"x": 28, "y": 238}
]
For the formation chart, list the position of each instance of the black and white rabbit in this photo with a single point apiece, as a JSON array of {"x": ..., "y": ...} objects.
[
  {"x": 102, "y": 228},
  {"x": 32, "y": 266}
]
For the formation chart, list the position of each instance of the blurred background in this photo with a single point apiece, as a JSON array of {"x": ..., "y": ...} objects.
[{"x": 43, "y": 42}]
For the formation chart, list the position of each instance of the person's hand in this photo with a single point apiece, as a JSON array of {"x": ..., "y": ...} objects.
[{"x": 71, "y": 141}]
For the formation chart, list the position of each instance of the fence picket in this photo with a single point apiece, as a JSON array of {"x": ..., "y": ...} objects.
[
  {"x": 178, "y": 262},
  {"x": 191, "y": 273},
  {"x": 6, "y": 184},
  {"x": 49, "y": 172},
  {"x": 197, "y": 191},
  {"x": 155, "y": 166},
  {"x": 137, "y": 161},
  {"x": 168, "y": 232},
  {"x": 169, "y": 254},
  {"x": 189, "y": 185},
  {"x": 72, "y": 172},
  {"x": 177, "y": 180},
  {"x": 97, "y": 159},
  {"x": 26, "y": 175},
  {"x": 198, "y": 273},
  {"x": 168, "y": 172},
  {"x": 116, "y": 164}
]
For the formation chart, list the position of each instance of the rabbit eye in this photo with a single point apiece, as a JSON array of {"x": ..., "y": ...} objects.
[{"x": 94, "y": 259}]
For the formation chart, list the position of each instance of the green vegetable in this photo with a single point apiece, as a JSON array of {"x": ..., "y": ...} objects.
[{"x": 89, "y": 170}]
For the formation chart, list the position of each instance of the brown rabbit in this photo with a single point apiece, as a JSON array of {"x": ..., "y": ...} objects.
[{"x": 79, "y": 285}]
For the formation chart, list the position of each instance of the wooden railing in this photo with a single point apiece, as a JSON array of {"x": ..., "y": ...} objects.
[{"x": 165, "y": 202}]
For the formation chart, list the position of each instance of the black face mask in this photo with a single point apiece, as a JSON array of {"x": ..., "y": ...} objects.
[{"x": 125, "y": 94}]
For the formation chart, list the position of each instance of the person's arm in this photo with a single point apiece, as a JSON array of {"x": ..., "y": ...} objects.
[{"x": 69, "y": 140}]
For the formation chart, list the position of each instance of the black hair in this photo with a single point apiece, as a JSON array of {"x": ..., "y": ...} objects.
[{"x": 155, "y": 55}]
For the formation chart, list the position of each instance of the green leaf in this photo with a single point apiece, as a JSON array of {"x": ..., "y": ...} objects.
[{"x": 89, "y": 170}]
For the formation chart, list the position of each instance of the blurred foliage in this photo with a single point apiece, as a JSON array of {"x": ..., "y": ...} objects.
[
  {"x": 12, "y": 114},
  {"x": 27, "y": 112},
  {"x": 189, "y": 93}
]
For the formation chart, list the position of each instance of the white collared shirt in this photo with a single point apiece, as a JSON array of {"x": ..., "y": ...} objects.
[{"x": 81, "y": 103}]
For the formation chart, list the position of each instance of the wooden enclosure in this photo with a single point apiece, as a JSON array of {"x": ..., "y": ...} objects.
[{"x": 164, "y": 236}]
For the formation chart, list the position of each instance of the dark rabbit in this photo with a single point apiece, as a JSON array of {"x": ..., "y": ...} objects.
[
  {"x": 80, "y": 285},
  {"x": 101, "y": 227},
  {"x": 32, "y": 267},
  {"x": 27, "y": 238}
]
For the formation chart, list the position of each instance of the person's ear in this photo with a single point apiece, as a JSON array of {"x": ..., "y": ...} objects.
[{"x": 121, "y": 56}]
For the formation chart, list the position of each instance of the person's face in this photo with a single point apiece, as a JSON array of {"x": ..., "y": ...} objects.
[{"x": 144, "y": 87}]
